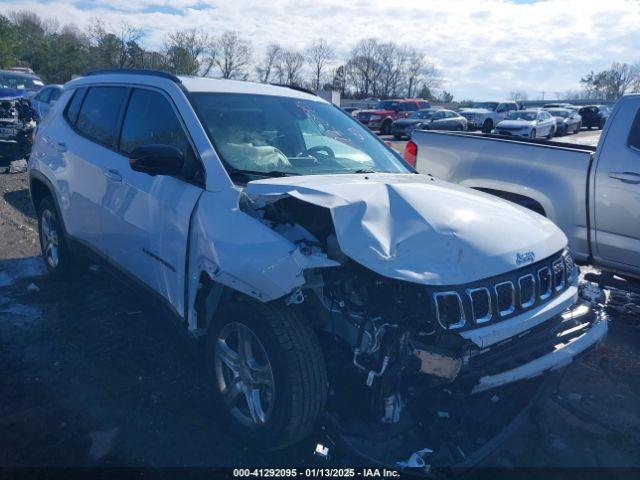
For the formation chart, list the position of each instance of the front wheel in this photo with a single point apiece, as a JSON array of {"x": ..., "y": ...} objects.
[
  {"x": 552, "y": 132},
  {"x": 385, "y": 129},
  {"x": 55, "y": 253},
  {"x": 267, "y": 372},
  {"x": 487, "y": 126}
]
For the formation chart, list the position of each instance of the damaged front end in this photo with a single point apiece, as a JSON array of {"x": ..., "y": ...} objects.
[{"x": 470, "y": 336}]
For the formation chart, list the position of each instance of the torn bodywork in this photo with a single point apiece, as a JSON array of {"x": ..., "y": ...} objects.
[{"x": 405, "y": 279}]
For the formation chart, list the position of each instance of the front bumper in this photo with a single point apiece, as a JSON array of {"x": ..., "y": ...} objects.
[{"x": 548, "y": 346}]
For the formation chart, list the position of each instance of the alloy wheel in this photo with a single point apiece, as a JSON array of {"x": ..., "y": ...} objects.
[
  {"x": 244, "y": 375},
  {"x": 50, "y": 238}
]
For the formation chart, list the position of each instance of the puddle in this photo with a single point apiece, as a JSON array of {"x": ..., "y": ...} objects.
[{"x": 18, "y": 268}]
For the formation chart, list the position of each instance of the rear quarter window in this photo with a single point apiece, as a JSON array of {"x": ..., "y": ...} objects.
[
  {"x": 100, "y": 114},
  {"x": 71, "y": 112},
  {"x": 634, "y": 133}
]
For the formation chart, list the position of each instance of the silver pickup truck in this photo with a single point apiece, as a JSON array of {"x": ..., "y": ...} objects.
[{"x": 591, "y": 193}]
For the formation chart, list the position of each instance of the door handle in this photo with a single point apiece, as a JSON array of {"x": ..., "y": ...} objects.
[
  {"x": 112, "y": 175},
  {"x": 629, "y": 177},
  {"x": 61, "y": 147}
]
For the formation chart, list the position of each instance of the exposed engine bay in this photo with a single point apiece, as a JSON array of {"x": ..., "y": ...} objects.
[{"x": 389, "y": 330}]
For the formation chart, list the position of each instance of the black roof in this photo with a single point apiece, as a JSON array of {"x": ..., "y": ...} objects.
[{"x": 134, "y": 71}]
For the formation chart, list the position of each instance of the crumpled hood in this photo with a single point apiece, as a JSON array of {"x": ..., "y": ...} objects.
[
  {"x": 419, "y": 229},
  {"x": 516, "y": 123}
]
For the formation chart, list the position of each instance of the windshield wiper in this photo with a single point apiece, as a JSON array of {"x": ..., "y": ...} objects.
[
  {"x": 256, "y": 173},
  {"x": 364, "y": 170}
]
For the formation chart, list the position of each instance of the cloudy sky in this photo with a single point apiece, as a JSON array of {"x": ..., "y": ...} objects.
[{"x": 484, "y": 48}]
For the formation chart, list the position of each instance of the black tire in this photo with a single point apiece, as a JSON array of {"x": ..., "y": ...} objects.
[
  {"x": 299, "y": 378},
  {"x": 601, "y": 124},
  {"x": 385, "y": 128},
  {"x": 552, "y": 133},
  {"x": 487, "y": 126},
  {"x": 588, "y": 127},
  {"x": 61, "y": 264},
  {"x": 578, "y": 127},
  {"x": 397, "y": 137}
]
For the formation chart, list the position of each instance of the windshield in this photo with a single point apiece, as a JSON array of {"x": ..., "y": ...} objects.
[
  {"x": 20, "y": 82},
  {"x": 386, "y": 105},
  {"x": 486, "y": 105},
  {"x": 422, "y": 114},
  {"x": 559, "y": 113},
  {"x": 522, "y": 115},
  {"x": 272, "y": 136}
]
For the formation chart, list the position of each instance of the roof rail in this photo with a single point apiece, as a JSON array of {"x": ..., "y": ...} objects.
[
  {"x": 135, "y": 71},
  {"x": 295, "y": 87}
]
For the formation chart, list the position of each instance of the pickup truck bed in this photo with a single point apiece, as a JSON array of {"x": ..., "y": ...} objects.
[
  {"x": 592, "y": 194},
  {"x": 478, "y": 161}
]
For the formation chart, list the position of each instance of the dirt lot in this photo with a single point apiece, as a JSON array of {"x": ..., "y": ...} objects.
[{"x": 92, "y": 375}]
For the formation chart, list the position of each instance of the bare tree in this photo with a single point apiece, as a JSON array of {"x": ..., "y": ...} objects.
[
  {"x": 290, "y": 67},
  {"x": 233, "y": 55},
  {"x": 420, "y": 71},
  {"x": 363, "y": 67},
  {"x": 271, "y": 59},
  {"x": 519, "y": 95},
  {"x": 318, "y": 55},
  {"x": 189, "y": 52},
  {"x": 116, "y": 47},
  {"x": 611, "y": 84}
]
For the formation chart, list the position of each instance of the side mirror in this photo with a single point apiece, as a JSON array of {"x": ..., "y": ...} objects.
[{"x": 157, "y": 160}]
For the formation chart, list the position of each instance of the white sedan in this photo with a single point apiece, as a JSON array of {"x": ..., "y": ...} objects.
[{"x": 527, "y": 123}]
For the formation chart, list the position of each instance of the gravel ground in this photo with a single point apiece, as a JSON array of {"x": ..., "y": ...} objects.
[{"x": 91, "y": 375}]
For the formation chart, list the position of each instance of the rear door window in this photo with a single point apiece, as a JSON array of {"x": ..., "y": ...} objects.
[
  {"x": 55, "y": 94},
  {"x": 100, "y": 113},
  {"x": 150, "y": 119}
]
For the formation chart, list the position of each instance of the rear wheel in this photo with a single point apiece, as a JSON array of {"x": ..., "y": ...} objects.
[
  {"x": 385, "y": 129},
  {"x": 55, "y": 253},
  {"x": 267, "y": 372},
  {"x": 487, "y": 126}
]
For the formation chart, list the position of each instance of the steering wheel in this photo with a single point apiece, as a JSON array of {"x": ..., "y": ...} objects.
[{"x": 324, "y": 151}]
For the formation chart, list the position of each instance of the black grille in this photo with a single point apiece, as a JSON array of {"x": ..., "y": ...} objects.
[
  {"x": 504, "y": 296},
  {"x": 544, "y": 282},
  {"x": 505, "y": 293},
  {"x": 480, "y": 304},
  {"x": 527, "y": 289}
]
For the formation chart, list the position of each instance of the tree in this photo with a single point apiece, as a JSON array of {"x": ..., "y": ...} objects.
[
  {"x": 290, "y": 67},
  {"x": 611, "y": 84},
  {"x": 270, "y": 62},
  {"x": 188, "y": 52},
  {"x": 363, "y": 67},
  {"x": 339, "y": 80},
  {"x": 7, "y": 42},
  {"x": 318, "y": 55},
  {"x": 233, "y": 54},
  {"x": 446, "y": 97},
  {"x": 518, "y": 95}
]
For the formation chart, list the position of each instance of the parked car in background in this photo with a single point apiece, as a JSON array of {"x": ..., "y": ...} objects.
[
  {"x": 558, "y": 105},
  {"x": 591, "y": 193},
  {"x": 381, "y": 116},
  {"x": 45, "y": 98},
  {"x": 13, "y": 84},
  {"x": 486, "y": 115},
  {"x": 567, "y": 120},
  {"x": 528, "y": 123},
  {"x": 18, "y": 121},
  {"x": 429, "y": 119},
  {"x": 353, "y": 111},
  {"x": 594, "y": 116}
]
